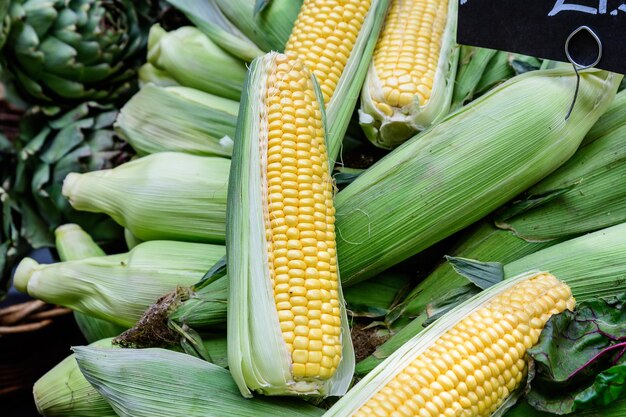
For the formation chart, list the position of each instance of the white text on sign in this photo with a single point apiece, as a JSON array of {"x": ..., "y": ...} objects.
[{"x": 565, "y": 6}]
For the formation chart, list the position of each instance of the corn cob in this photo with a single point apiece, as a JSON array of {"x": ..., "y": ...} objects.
[
  {"x": 468, "y": 362},
  {"x": 162, "y": 383},
  {"x": 118, "y": 288},
  {"x": 336, "y": 40},
  {"x": 579, "y": 197},
  {"x": 410, "y": 81},
  {"x": 168, "y": 195},
  {"x": 190, "y": 58},
  {"x": 287, "y": 325},
  {"x": 64, "y": 391},
  {"x": 195, "y": 123},
  {"x": 73, "y": 243},
  {"x": 591, "y": 265},
  {"x": 468, "y": 165}
]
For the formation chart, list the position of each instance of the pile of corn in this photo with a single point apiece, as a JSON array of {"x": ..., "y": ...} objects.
[{"x": 238, "y": 145}]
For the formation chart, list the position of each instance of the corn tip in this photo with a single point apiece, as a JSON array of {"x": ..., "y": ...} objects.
[{"x": 23, "y": 274}]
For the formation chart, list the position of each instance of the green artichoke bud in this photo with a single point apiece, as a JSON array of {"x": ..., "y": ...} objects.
[
  {"x": 70, "y": 51},
  {"x": 192, "y": 59},
  {"x": 5, "y": 21},
  {"x": 79, "y": 140}
]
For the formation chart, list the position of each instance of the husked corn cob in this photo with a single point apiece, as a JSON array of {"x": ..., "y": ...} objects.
[
  {"x": 323, "y": 38},
  {"x": 591, "y": 265},
  {"x": 411, "y": 78},
  {"x": 467, "y": 363},
  {"x": 335, "y": 41},
  {"x": 285, "y": 299}
]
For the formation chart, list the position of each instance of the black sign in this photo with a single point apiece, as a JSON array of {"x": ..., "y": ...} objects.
[{"x": 592, "y": 29}]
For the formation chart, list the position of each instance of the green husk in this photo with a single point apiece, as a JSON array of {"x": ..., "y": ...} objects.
[
  {"x": 190, "y": 58},
  {"x": 592, "y": 265},
  {"x": 387, "y": 370},
  {"x": 195, "y": 122},
  {"x": 161, "y": 383},
  {"x": 130, "y": 239},
  {"x": 579, "y": 197},
  {"x": 73, "y": 243},
  {"x": 257, "y": 353},
  {"x": 341, "y": 106},
  {"x": 269, "y": 27},
  {"x": 389, "y": 132},
  {"x": 465, "y": 167},
  {"x": 504, "y": 65},
  {"x": 118, "y": 288},
  {"x": 167, "y": 195},
  {"x": 208, "y": 17},
  {"x": 481, "y": 241},
  {"x": 149, "y": 74},
  {"x": 375, "y": 297},
  {"x": 205, "y": 307},
  {"x": 64, "y": 391},
  {"x": 612, "y": 119},
  {"x": 472, "y": 64}
]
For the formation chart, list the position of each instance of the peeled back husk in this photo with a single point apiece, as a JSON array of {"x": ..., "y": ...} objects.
[
  {"x": 118, "y": 288},
  {"x": 195, "y": 122},
  {"x": 258, "y": 353},
  {"x": 499, "y": 320},
  {"x": 391, "y": 130},
  {"x": 465, "y": 167},
  {"x": 208, "y": 17},
  {"x": 162, "y": 383},
  {"x": 167, "y": 195},
  {"x": 267, "y": 23},
  {"x": 592, "y": 265}
]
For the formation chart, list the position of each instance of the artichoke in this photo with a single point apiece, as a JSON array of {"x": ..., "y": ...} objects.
[
  {"x": 49, "y": 148},
  {"x": 5, "y": 21},
  {"x": 64, "y": 52}
]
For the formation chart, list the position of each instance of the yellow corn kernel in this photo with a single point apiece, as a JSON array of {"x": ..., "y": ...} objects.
[
  {"x": 313, "y": 330},
  {"x": 323, "y": 37},
  {"x": 407, "y": 52},
  {"x": 471, "y": 386}
]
